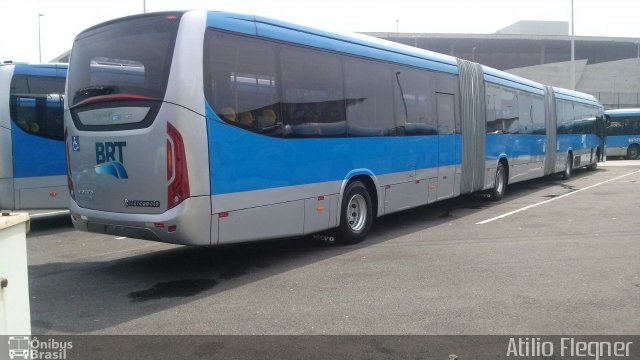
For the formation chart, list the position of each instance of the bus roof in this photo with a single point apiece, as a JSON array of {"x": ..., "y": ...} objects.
[
  {"x": 355, "y": 44},
  {"x": 572, "y": 95},
  {"x": 46, "y": 69},
  {"x": 623, "y": 112}
]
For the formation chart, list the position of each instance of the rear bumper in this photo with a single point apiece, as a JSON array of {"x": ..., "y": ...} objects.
[{"x": 192, "y": 221}]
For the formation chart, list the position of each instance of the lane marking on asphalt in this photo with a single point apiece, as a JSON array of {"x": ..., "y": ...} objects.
[
  {"x": 49, "y": 213},
  {"x": 121, "y": 237},
  {"x": 552, "y": 199}
]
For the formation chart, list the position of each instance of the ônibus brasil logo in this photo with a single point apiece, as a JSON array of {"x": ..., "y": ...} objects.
[
  {"x": 24, "y": 347},
  {"x": 110, "y": 159}
]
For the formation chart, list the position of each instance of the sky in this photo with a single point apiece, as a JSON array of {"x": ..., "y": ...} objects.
[{"x": 62, "y": 20}]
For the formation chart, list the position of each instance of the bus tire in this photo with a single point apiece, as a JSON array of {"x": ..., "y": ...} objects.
[
  {"x": 568, "y": 167},
  {"x": 356, "y": 214},
  {"x": 499, "y": 184},
  {"x": 633, "y": 152}
]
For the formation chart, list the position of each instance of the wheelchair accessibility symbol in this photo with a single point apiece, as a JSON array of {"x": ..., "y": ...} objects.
[{"x": 75, "y": 143}]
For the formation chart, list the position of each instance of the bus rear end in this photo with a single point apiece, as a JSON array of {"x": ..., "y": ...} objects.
[{"x": 133, "y": 134}]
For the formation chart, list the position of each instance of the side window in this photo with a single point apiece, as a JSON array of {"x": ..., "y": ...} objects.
[
  {"x": 36, "y": 105},
  {"x": 632, "y": 125},
  {"x": 494, "y": 108},
  {"x": 538, "y": 126},
  {"x": 525, "y": 107},
  {"x": 589, "y": 117},
  {"x": 413, "y": 102},
  {"x": 369, "y": 98},
  {"x": 241, "y": 84},
  {"x": 446, "y": 112},
  {"x": 313, "y": 101},
  {"x": 565, "y": 116},
  {"x": 502, "y": 110},
  {"x": 616, "y": 126},
  {"x": 510, "y": 111}
]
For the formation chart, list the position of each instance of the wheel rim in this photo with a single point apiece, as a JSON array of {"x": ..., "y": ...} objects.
[
  {"x": 633, "y": 152},
  {"x": 357, "y": 212},
  {"x": 499, "y": 181}
]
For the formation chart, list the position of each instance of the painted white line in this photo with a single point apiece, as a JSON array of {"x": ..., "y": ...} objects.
[
  {"x": 553, "y": 199},
  {"x": 121, "y": 237},
  {"x": 49, "y": 213}
]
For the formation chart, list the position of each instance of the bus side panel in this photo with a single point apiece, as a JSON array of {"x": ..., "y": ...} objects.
[
  {"x": 6, "y": 171},
  {"x": 28, "y": 150},
  {"x": 523, "y": 152},
  {"x": 236, "y": 166},
  {"x": 580, "y": 144},
  {"x": 617, "y": 144},
  {"x": 6, "y": 160},
  {"x": 46, "y": 192},
  {"x": 262, "y": 222}
]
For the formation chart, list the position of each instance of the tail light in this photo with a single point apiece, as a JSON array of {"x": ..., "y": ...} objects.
[
  {"x": 177, "y": 176},
  {"x": 66, "y": 151}
]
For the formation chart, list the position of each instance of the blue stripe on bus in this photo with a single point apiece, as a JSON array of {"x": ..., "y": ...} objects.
[
  {"x": 282, "y": 31},
  {"x": 577, "y": 142},
  {"x": 29, "y": 163},
  {"x": 622, "y": 140},
  {"x": 242, "y": 161},
  {"x": 234, "y": 167},
  {"x": 514, "y": 145}
]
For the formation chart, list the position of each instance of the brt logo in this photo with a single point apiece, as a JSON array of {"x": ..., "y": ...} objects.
[
  {"x": 110, "y": 159},
  {"x": 107, "y": 151}
]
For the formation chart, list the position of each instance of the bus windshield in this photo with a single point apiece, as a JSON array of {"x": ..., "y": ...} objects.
[{"x": 129, "y": 57}]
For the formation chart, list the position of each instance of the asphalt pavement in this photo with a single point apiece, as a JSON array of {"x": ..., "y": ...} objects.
[{"x": 554, "y": 257}]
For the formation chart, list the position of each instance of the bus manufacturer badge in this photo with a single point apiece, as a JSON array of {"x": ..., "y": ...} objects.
[{"x": 140, "y": 203}]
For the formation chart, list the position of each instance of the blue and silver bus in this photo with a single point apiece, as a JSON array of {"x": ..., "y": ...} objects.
[
  {"x": 623, "y": 133},
  {"x": 33, "y": 171},
  {"x": 219, "y": 128}
]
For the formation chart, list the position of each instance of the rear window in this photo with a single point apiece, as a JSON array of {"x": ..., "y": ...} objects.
[{"x": 129, "y": 56}]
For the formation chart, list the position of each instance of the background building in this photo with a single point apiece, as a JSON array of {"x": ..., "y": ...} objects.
[{"x": 608, "y": 68}]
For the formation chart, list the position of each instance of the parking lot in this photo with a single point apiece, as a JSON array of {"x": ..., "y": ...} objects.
[{"x": 553, "y": 257}]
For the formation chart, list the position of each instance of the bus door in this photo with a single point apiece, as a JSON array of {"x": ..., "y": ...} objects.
[
  {"x": 446, "y": 144},
  {"x": 601, "y": 132}
]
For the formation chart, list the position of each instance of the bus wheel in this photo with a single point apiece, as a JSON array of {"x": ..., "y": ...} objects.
[
  {"x": 499, "y": 185},
  {"x": 356, "y": 215},
  {"x": 568, "y": 167},
  {"x": 633, "y": 151}
]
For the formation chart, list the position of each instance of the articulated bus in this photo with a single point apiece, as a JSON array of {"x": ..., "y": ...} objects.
[
  {"x": 623, "y": 133},
  {"x": 236, "y": 128},
  {"x": 32, "y": 159}
]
